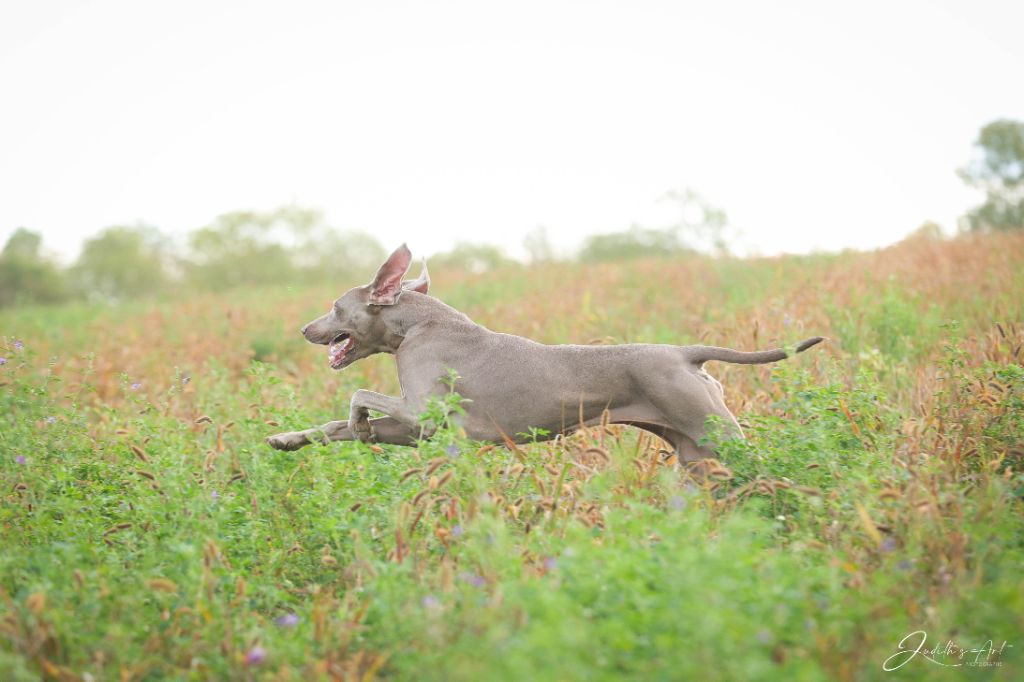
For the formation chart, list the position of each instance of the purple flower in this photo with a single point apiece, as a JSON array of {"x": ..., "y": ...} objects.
[
  {"x": 904, "y": 565},
  {"x": 255, "y": 655},
  {"x": 452, "y": 450},
  {"x": 473, "y": 579},
  {"x": 888, "y": 545},
  {"x": 18, "y": 345},
  {"x": 288, "y": 620},
  {"x": 3, "y": 361},
  {"x": 456, "y": 531},
  {"x": 214, "y": 495},
  {"x": 677, "y": 502},
  {"x": 51, "y": 420},
  {"x": 185, "y": 379},
  {"x": 20, "y": 459},
  {"x": 430, "y": 602},
  {"x": 550, "y": 563},
  {"x": 136, "y": 386}
]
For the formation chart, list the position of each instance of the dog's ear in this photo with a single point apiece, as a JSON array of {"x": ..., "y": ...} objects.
[
  {"x": 386, "y": 287},
  {"x": 421, "y": 283}
]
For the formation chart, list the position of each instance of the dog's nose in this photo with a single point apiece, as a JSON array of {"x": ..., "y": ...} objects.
[{"x": 303, "y": 330}]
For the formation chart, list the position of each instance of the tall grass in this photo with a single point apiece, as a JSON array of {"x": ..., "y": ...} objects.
[{"x": 147, "y": 531}]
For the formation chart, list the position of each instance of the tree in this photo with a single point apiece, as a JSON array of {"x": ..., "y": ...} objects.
[
  {"x": 290, "y": 244},
  {"x": 235, "y": 250},
  {"x": 122, "y": 262},
  {"x": 538, "y": 245},
  {"x": 998, "y": 169},
  {"x": 469, "y": 257},
  {"x": 700, "y": 226},
  {"x": 26, "y": 276},
  {"x": 928, "y": 230},
  {"x": 636, "y": 242}
]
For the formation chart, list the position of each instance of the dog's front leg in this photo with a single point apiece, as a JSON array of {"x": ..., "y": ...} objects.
[
  {"x": 293, "y": 440},
  {"x": 363, "y": 401},
  {"x": 385, "y": 429}
]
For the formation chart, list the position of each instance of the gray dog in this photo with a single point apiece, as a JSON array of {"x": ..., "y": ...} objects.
[{"x": 512, "y": 386}]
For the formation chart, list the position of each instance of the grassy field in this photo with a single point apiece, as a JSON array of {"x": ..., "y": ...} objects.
[{"x": 147, "y": 532}]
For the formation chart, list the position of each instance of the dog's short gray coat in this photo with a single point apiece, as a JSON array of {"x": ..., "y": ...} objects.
[{"x": 513, "y": 386}]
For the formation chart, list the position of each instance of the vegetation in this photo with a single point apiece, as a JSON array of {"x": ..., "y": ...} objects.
[
  {"x": 295, "y": 246},
  {"x": 289, "y": 245},
  {"x": 470, "y": 257},
  {"x": 698, "y": 227},
  {"x": 149, "y": 533},
  {"x": 26, "y": 276},
  {"x": 122, "y": 262},
  {"x": 998, "y": 169}
]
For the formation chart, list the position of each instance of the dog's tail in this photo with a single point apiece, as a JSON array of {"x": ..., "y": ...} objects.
[{"x": 698, "y": 355}]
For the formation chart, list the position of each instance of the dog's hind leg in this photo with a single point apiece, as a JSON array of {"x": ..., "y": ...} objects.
[{"x": 687, "y": 399}]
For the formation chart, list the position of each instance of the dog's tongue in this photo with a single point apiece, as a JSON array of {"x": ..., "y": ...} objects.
[{"x": 336, "y": 352}]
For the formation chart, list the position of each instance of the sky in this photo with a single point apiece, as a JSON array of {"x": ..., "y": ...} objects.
[{"x": 815, "y": 126}]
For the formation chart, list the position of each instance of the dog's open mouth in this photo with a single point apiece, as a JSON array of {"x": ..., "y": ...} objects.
[{"x": 339, "y": 348}]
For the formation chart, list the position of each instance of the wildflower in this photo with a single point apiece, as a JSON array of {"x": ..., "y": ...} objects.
[
  {"x": 255, "y": 655},
  {"x": 473, "y": 579},
  {"x": 3, "y": 361},
  {"x": 51, "y": 420},
  {"x": 677, "y": 502},
  {"x": 288, "y": 620},
  {"x": 456, "y": 531},
  {"x": 18, "y": 345},
  {"x": 550, "y": 563},
  {"x": 136, "y": 386},
  {"x": 452, "y": 450},
  {"x": 888, "y": 545},
  {"x": 904, "y": 565},
  {"x": 214, "y": 495},
  {"x": 430, "y": 602},
  {"x": 20, "y": 459},
  {"x": 185, "y": 379}
]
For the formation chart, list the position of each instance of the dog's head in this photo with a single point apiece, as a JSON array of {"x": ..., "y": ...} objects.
[{"x": 354, "y": 329}]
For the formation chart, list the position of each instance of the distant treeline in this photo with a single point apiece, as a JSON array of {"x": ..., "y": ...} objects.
[
  {"x": 293, "y": 245},
  {"x": 290, "y": 245}
]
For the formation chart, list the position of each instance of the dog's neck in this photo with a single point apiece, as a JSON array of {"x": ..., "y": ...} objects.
[{"x": 413, "y": 313}]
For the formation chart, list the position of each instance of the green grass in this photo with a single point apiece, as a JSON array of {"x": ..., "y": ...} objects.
[{"x": 148, "y": 532}]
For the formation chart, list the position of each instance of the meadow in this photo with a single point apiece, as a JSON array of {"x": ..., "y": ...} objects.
[{"x": 148, "y": 532}]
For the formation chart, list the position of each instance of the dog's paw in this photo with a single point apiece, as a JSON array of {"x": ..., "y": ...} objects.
[
  {"x": 362, "y": 430},
  {"x": 287, "y": 441}
]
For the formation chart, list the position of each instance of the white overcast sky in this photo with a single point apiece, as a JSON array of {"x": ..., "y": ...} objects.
[{"x": 815, "y": 125}]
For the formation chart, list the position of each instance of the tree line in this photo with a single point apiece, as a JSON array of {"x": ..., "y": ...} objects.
[
  {"x": 295, "y": 245},
  {"x": 291, "y": 245}
]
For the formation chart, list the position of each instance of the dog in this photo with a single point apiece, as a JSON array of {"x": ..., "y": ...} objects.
[{"x": 514, "y": 388}]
